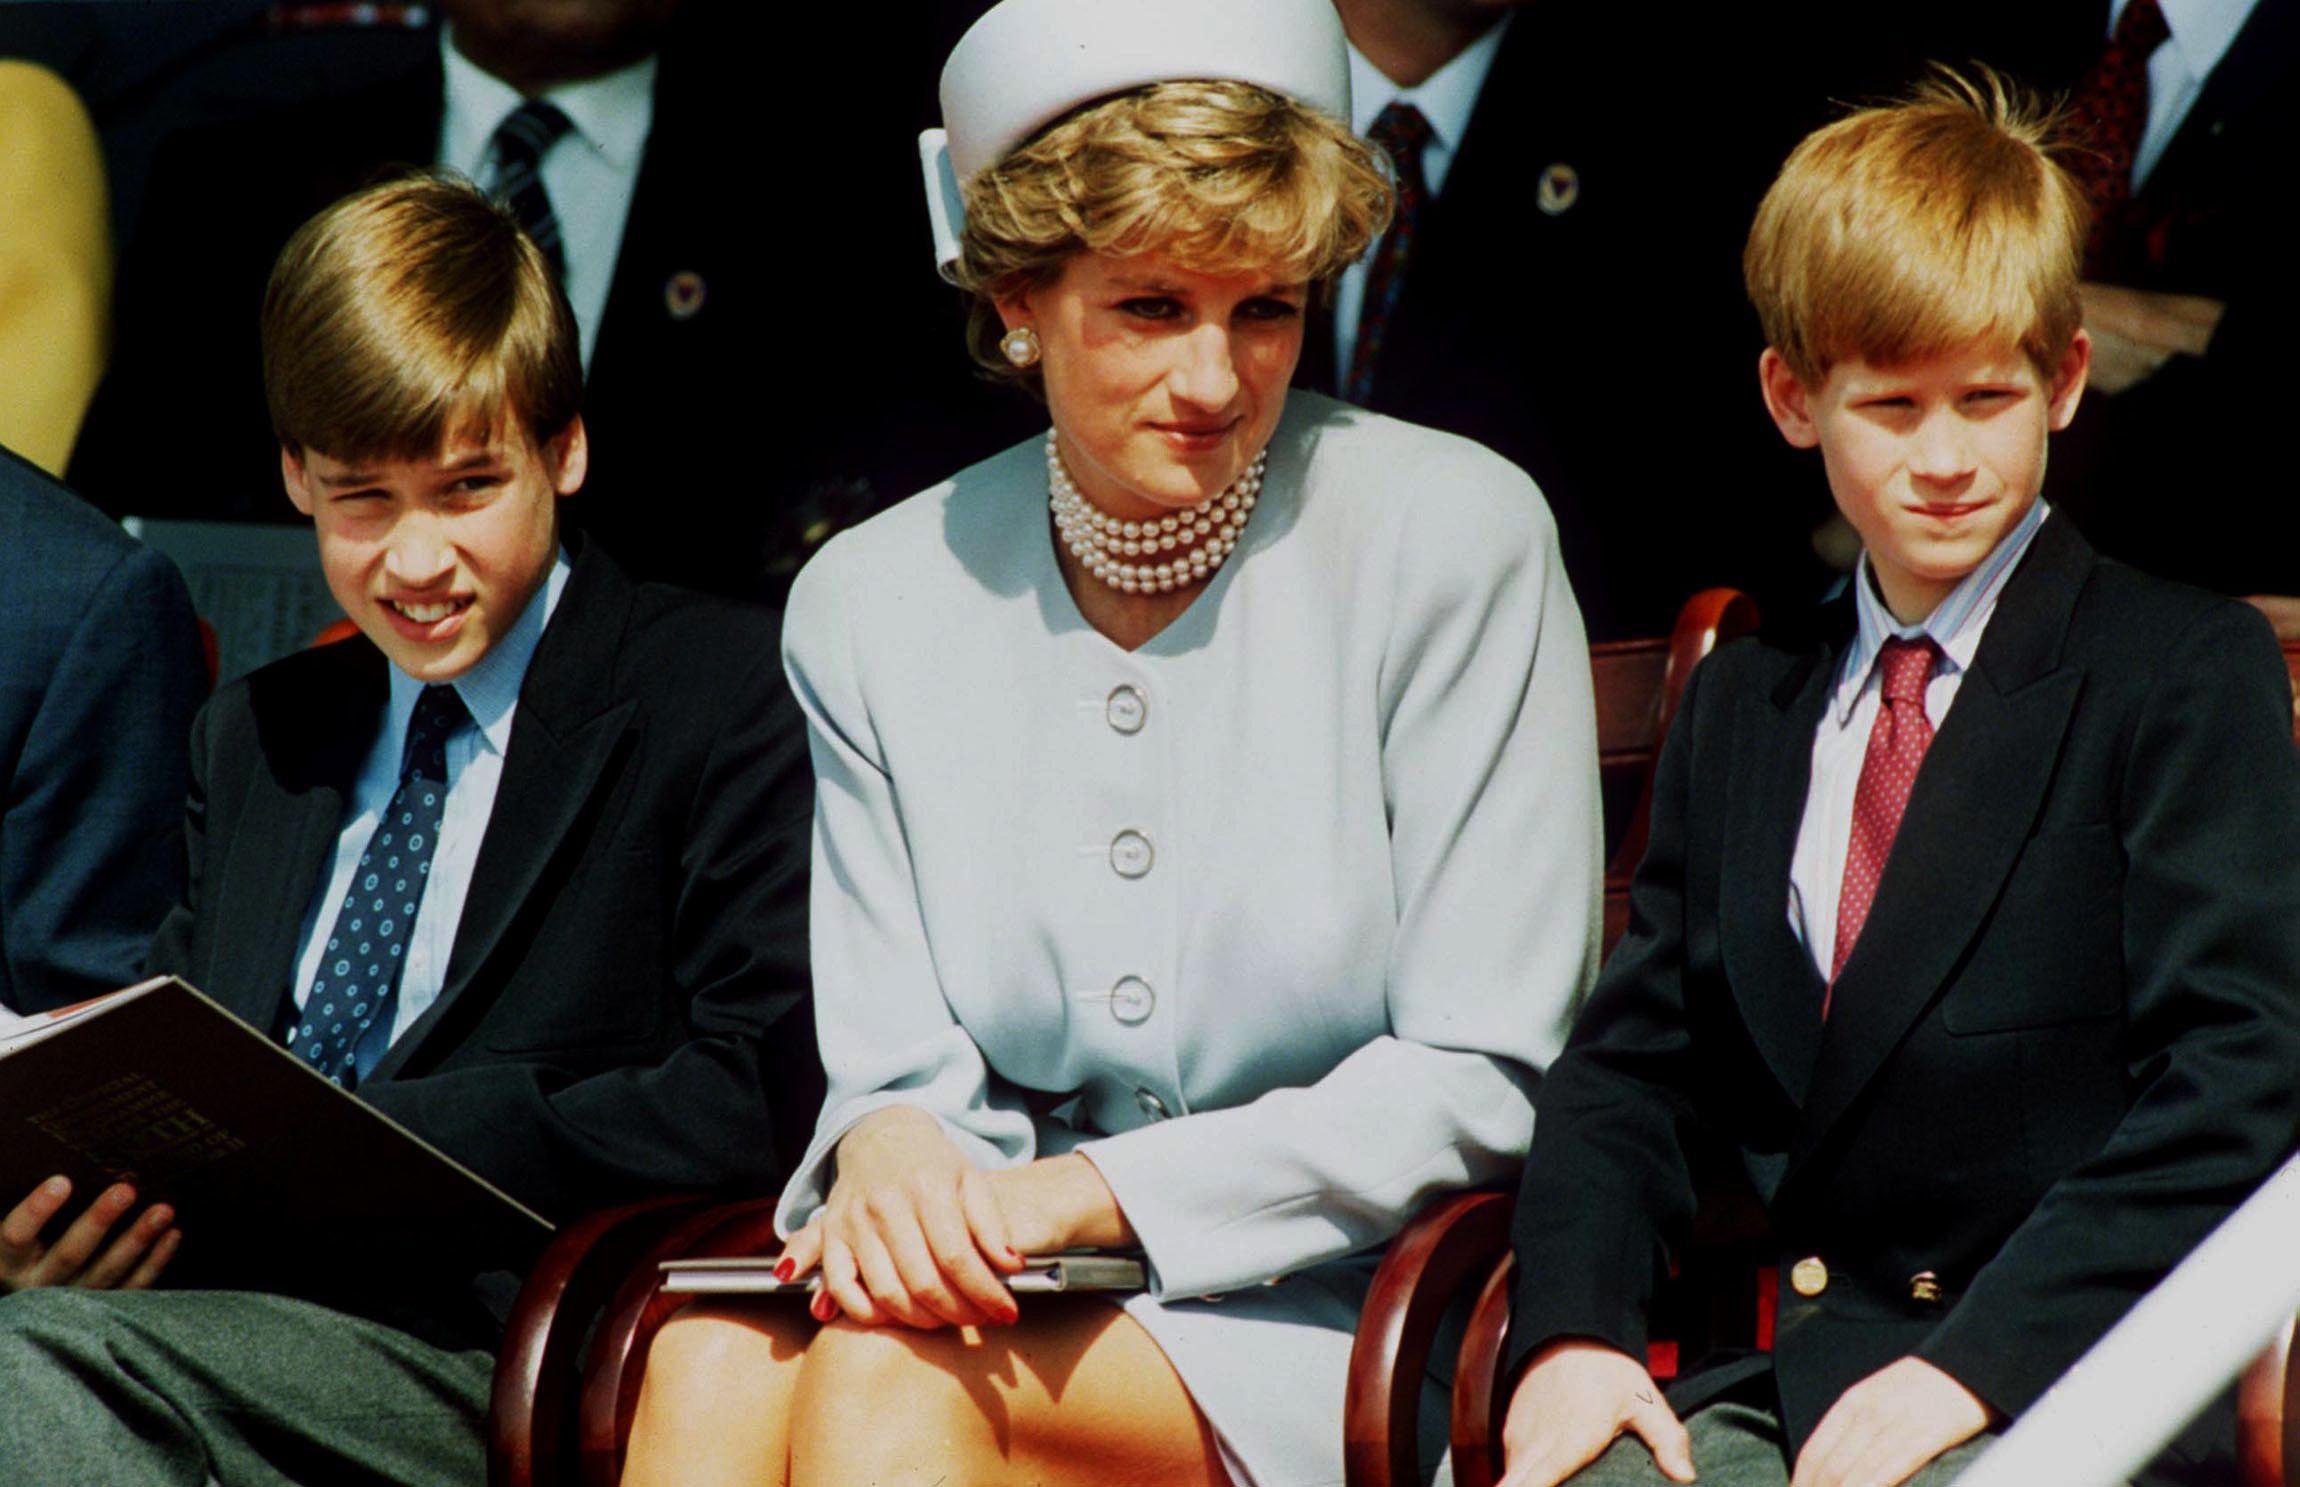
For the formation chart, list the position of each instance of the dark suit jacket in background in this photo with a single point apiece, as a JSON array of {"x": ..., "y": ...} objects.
[
  {"x": 2061, "y": 1051},
  {"x": 625, "y": 1005},
  {"x": 2216, "y": 424},
  {"x": 100, "y": 671},
  {"x": 1608, "y": 348},
  {"x": 821, "y": 375}
]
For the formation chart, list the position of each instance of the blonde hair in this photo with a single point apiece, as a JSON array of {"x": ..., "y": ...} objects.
[
  {"x": 1901, "y": 231},
  {"x": 1221, "y": 177},
  {"x": 409, "y": 311}
]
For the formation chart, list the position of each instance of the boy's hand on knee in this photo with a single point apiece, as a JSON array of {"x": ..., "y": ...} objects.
[
  {"x": 131, "y": 1260},
  {"x": 1571, "y": 1402},
  {"x": 1889, "y": 1424}
]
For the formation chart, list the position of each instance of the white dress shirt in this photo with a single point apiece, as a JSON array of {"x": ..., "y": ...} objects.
[
  {"x": 589, "y": 174},
  {"x": 1447, "y": 98},
  {"x": 1841, "y": 743},
  {"x": 2202, "y": 31},
  {"x": 490, "y": 691}
]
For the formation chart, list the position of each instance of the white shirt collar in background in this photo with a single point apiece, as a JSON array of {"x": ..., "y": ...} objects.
[
  {"x": 589, "y": 175},
  {"x": 2202, "y": 32},
  {"x": 1447, "y": 98}
]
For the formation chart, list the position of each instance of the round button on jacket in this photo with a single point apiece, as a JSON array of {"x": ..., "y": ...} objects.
[
  {"x": 1130, "y": 854},
  {"x": 1126, "y": 709},
  {"x": 1809, "y": 1277},
  {"x": 1132, "y": 1000},
  {"x": 1151, "y": 1105}
]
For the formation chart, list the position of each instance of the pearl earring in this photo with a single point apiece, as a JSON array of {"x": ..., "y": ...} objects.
[{"x": 1020, "y": 347}]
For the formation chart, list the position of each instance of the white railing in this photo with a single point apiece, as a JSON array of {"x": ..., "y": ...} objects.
[{"x": 2170, "y": 1355}]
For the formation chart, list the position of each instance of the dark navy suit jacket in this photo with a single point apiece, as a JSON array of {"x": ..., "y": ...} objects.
[
  {"x": 100, "y": 671},
  {"x": 2060, "y": 1052},
  {"x": 625, "y": 1009}
]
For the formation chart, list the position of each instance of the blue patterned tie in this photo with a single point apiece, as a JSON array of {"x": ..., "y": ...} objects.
[
  {"x": 357, "y": 989},
  {"x": 521, "y": 141}
]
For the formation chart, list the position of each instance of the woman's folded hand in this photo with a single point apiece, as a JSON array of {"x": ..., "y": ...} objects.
[
  {"x": 1059, "y": 1203},
  {"x": 912, "y": 1231}
]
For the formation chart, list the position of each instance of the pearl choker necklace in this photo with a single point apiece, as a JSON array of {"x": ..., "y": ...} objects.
[{"x": 1199, "y": 537}]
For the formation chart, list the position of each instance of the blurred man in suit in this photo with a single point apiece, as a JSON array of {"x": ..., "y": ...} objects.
[
  {"x": 99, "y": 673},
  {"x": 732, "y": 278},
  {"x": 1543, "y": 156}
]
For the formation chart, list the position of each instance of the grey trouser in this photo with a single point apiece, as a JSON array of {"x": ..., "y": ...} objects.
[
  {"x": 178, "y": 1387},
  {"x": 1739, "y": 1445}
]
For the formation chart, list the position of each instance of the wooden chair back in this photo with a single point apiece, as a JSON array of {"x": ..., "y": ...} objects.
[
  {"x": 531, "y": 1440},
  {"x": 1638, "y": 685},
  {"x": 1453, "y": 1243}
]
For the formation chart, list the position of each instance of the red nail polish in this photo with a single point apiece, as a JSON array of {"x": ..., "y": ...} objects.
[
  {"x": 786, "y": 1269},
  {"x": 820, "y": 1306}
]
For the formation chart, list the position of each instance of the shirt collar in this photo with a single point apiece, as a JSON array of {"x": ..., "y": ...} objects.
[
  {"x": 2202, "y": 30},
  {"x": 1955, "y": 625},
  {"x": 490, "y": 689},
  {"x": 610, "y": 113},
  {"x": 1447, "y": 97}
]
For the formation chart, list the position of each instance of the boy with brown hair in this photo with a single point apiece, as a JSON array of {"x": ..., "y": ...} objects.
[
  {"x": 1971, "y": 932},
  {"x": 524, "y": 867}
]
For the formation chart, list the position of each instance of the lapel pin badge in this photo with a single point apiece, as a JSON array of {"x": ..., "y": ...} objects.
[
  {"x": 1558, "y": 189},
  {"x": 683, "y": 294}
]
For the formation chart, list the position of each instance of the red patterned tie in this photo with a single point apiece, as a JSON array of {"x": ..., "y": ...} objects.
[
  {"x": 1897, "y": 746},
  {"x": 2111, "y": 104},
  {"x": 1401, "y": 130}
]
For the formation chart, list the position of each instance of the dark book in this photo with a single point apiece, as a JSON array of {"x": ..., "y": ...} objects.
[{"x": 265, "y": 1161}]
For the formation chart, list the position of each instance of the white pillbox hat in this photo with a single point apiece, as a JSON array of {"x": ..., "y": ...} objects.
[{"x": 1028, "y": 62}]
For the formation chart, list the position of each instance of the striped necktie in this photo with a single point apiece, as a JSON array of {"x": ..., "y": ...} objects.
[
  {"x": 521, "y": 141},
  {"x": 2112, "y": 105},
  {"x": 1401, "y": 130}
]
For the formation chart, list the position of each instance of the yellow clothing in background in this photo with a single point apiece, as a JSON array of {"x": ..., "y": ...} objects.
[{"x": 55, "y": 264}]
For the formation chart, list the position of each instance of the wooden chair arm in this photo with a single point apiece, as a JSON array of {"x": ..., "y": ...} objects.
[
  {"x": 2268, "y": 1413},
  {"x": 535, "y": 1373},
  {"x": 1478, "y": 1402},
  {"x": 638, "y": 1310},
  {"x": 1450, "y": 1243}
]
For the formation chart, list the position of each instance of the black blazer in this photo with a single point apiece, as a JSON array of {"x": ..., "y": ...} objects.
[
  {"x": 625, "y": 1009},
  {"x": 1606, "y": 348},
  {"x": 2062, "y": 1049}
]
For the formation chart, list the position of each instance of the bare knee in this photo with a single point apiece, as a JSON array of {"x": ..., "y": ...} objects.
[
  {"x": 701, "y": 1344},
  {"x": 862, "y": 1371},
  {"x": 885, "y": 1403},
  {"x": 715, "y": 1402}
]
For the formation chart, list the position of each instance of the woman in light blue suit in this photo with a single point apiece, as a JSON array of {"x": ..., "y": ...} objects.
[{"x": 1206, "y": 843}]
